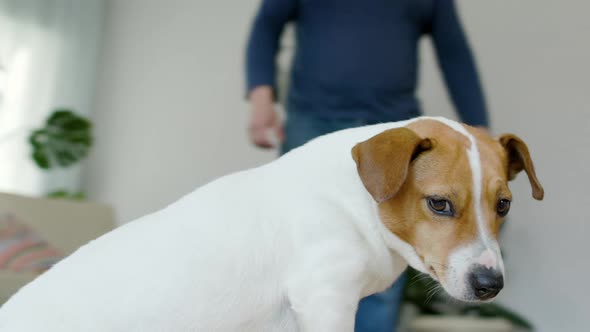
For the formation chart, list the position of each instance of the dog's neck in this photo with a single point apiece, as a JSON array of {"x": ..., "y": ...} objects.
[{"x": 328, "y": 160}]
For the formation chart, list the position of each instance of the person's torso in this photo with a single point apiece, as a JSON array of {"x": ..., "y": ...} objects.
[{"x": 357, "y": 54}]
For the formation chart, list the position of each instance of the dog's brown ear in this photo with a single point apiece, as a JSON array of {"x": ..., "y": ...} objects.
[
  {"x": 383, "y": 160},
  {"x": 519, "y": 159}
]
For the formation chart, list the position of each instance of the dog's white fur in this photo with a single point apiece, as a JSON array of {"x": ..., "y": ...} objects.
[{"x": 289, "y": 246}]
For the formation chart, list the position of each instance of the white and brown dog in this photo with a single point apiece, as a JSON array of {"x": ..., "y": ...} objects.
[{"x": 293, "y": 245}]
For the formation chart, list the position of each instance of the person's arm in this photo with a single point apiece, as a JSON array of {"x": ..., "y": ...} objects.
[
  {"x": 261, "y": 53},
  {"x": 457, "y": 64}
]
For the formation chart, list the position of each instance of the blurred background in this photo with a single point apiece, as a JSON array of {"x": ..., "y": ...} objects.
[{"x": 162, "y": 83}]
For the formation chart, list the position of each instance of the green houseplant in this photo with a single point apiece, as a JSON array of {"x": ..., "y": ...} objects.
[{"x": 64, "y": 140}]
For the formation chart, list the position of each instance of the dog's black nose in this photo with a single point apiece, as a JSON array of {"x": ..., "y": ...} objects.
[{"x": 486, "y": 283}]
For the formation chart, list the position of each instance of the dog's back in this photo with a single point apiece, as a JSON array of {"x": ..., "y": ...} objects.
[
  {"x": 185, "y": 265},
  {"x": 221, "y": 259}
]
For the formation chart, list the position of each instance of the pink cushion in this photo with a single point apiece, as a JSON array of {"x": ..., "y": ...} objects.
[{"x": 22, "y": 249}]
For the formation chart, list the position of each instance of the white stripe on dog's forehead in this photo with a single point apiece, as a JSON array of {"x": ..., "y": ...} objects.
[{"x": 477, "y": 178}]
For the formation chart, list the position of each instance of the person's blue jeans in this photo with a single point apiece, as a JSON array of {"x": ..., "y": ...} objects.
[{"x": 379, "y": 312}]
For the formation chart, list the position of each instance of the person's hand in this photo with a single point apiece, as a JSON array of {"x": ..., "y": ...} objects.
[{"x": 265, "y": 127}]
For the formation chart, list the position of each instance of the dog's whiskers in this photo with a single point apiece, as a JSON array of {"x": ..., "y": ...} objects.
[
  {"x": 420, "y": 278},
  {"x": 432, "y": 292}
]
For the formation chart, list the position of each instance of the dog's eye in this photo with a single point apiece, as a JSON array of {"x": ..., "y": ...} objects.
[
  {"x": 440, "y": 206},
  {"x": 503, "y": 207}
]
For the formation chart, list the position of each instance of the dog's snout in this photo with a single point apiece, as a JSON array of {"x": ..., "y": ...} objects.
[{"x": 486, "y": 283}]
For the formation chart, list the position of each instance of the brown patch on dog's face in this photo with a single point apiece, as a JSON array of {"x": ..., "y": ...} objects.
[
  {"x": 443, "y": 172},
  {"x": 450, "y": 246}
]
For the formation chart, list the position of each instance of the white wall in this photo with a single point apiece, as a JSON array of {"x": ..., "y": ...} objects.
[
  {"x": 170, "y": 116},
  {"x": 170, "y": 113}
]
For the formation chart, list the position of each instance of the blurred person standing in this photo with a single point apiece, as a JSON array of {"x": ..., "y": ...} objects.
[{"x": 356, "y": 63}]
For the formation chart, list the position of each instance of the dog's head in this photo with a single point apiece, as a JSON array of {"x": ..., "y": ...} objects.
[{"x": 441, "y": 189}]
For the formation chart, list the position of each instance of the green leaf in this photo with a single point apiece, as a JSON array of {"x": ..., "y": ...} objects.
[
  {"x": 41, "y": 158},
  {"x": 64, "y": 140},
  {"x": 64, "y": 194},
  {"x": 495, "y": 310}
]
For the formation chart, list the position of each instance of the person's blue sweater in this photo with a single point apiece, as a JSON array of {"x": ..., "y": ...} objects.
[{"x": 359, "y": 58}]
